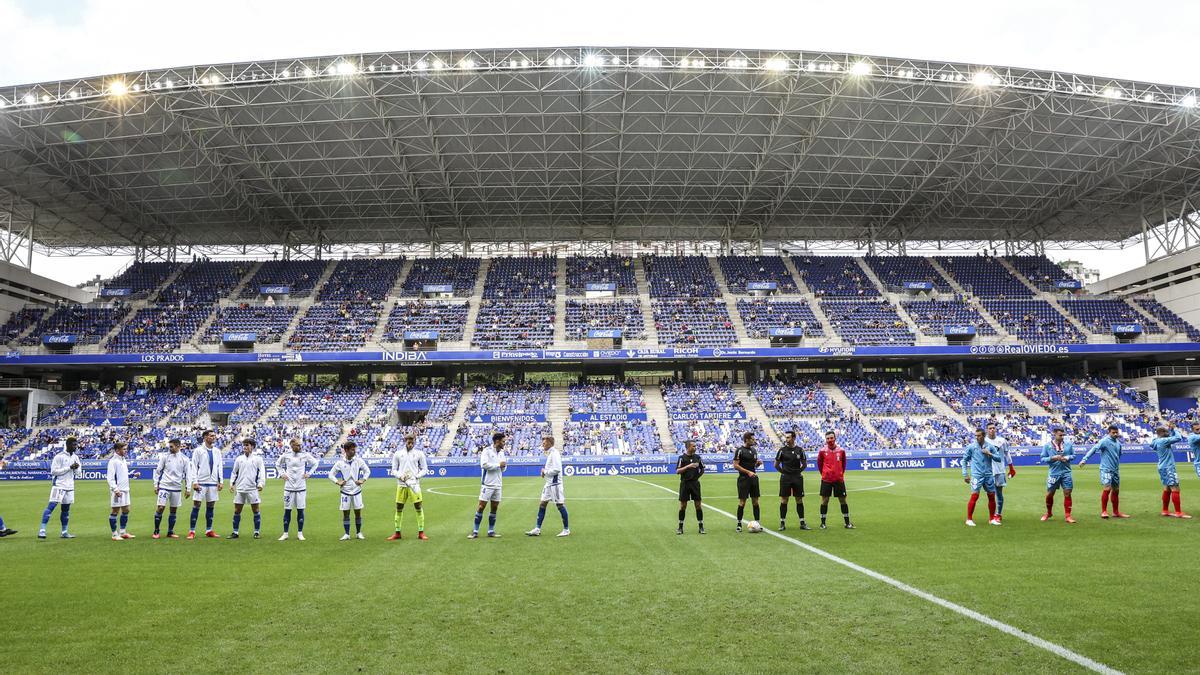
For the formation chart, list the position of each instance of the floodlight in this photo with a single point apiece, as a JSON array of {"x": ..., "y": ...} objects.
[{"x": 864, "y": 68}]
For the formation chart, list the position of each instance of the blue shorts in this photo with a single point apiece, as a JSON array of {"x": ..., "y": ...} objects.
[
  {"x": 1000, "y": 479},
  {"x": 1168, "y": 477},
  {"x": 986, "y": 483},
  {"x": 1065, "y": 481},
  {"x": 1110, "y": 478}
]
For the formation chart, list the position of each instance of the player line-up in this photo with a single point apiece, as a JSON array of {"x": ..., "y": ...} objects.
[
  {"x": 987, "y": 465},
  {"x": 200, "y": 478}
]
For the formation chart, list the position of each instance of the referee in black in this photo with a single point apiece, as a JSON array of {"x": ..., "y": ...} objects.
[
  {"x": 790, "y": 462},
  {"x": 746, "y": 461},
  {"x": 690, "y": 467}
]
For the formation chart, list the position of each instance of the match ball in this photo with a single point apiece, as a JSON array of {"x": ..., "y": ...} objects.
[{"x": 754, "y": 526}]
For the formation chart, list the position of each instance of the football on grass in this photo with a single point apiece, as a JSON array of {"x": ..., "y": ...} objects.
[{"x": 754, "y": 526}]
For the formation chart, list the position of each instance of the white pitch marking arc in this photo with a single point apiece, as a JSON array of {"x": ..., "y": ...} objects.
[
  {"x": 884, "y": 484},
  {"x": 1053, "y": 648}
]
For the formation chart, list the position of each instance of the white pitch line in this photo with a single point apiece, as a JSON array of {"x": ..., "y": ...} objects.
[{"x": 1056, "y": 649}]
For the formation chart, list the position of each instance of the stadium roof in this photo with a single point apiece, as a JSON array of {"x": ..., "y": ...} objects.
[{"x": 593, "y": 144}]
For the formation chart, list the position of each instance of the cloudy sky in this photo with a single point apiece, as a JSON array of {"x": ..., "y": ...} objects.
[{"x": 60, "y": 39}]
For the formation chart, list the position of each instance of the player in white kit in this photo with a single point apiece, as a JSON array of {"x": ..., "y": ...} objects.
[
  {"x": 172, "y": 483},
  {"x": 64, "y": 469},
  {"x": 247, "y": 481},
  {"x": 208, "y": 479},
  {"x": 349, "y": 474},
  {"x": 117, "y": 476},
  {"x": 409, "y": 467},
  {"x": 552, "y": 490},
  {"x": 492, "y": 463},
  {"x": 295, "y": 466}
]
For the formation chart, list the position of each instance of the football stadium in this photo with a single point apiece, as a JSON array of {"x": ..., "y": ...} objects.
[{"x": 544, "y": 333}]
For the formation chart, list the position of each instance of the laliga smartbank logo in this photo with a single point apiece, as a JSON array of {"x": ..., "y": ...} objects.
[{"x": 644, "y": 469}]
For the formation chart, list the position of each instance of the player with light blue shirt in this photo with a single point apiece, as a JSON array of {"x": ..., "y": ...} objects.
[
  {"x": 1002, "y": 467},
  {"x": 1193, "y": 440},
  {"x": 1058, "y": 454},
  {"x": 1166, "y": 438},
  {"x": 977, "y": 459},
  {"x": 1110, "y": 450}
]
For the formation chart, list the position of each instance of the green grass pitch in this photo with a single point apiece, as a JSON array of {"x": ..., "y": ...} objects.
[{"x": 623, "y": 593}]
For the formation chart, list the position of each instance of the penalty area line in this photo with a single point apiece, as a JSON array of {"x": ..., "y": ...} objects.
[{"x": 1056, "y": 649}]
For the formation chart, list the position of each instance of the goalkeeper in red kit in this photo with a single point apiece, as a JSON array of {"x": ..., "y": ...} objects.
[{"x": 831, "y": 462}]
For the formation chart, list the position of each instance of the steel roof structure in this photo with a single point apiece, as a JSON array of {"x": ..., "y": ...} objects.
[{"x": 592, "y": 144}]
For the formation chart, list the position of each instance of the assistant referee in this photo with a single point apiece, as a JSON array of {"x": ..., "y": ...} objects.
[{"x": 790, "y": 462}]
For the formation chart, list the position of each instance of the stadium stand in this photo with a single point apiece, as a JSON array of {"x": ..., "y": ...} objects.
[
  {"x": 376, "y": 439},
  {"x": 447, "y": 318},
  {"x": 510, "y": 399},
  {"x": 702, "y": 322},
  {"x": 520, "y": 278},
  {"x": 21, "y": 321},
  {"x": 1039, "y": 270},
  {"x": 1033, "y": 321},
  {"x": 609, "y": 269},
  {"x": 268, "y": 323},
  {"x": 204, "y": 282},
  {"x": 300, "y": 276},
  {"x": 698, "y": 399},
  {"x": 885, "y": 396},
  {"x": 835, "y": 276},
  {"x": 308, "y": 404},
  {"x": 361, "y": 280},
  {"x": 761, "y": 315},
  {"x": 973, "y": 396},
  {"x": 142, "y": 278},
  {"x": 932, "y": 316},
  {"x": 810, "y": 433},
  {"x": 159, "y": 329},
  {"x": 938, "y": 431},
  {"x": 443, "y": 401},
  {"x": 456, "y": 271},
  {"x": 867, "y": 322},
  {"x": 336, "y": 326},
  {"x": 1169, "y": 318},
  {"x": 1098, "y": 315},
  {"x": 89, "y": 324},
  {"x": 584, "y": 315},
  {"x": 251, "y": 403},
  {"x": 514, "y": 324},
  {"x": 611, "y": 438},
  {"x": 895, "y": 270},
  {"x": 799, "y": 398},
  {"x": 617, "y": 437},
  {"x": 688, "y": 276},
  {"x": 11, "y": 439},
  {"x": 984, "y": 277},
  {"x": 273, "y": 438},
  {"x": 1057, "y": 394},
  {"x": 606, "y": 397},
  {"x": 740, "y": 270}
]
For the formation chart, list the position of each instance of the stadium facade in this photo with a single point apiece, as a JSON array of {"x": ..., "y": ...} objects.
[{"x": 789, "y": 239}]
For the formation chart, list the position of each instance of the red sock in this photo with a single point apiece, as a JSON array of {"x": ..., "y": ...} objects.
[
  {"x": 1116, "y": 501},
  {"x": 1166, "y": 499},
  {"x": 1050, "y": 503},
  {"x": 991, "y": 505},
  {"x": 1104, "y": 500},
  {"x": 1175, "y": 500},
  {"x": 971, "y": 505},
  {"x": 1067, "y": 504}
]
